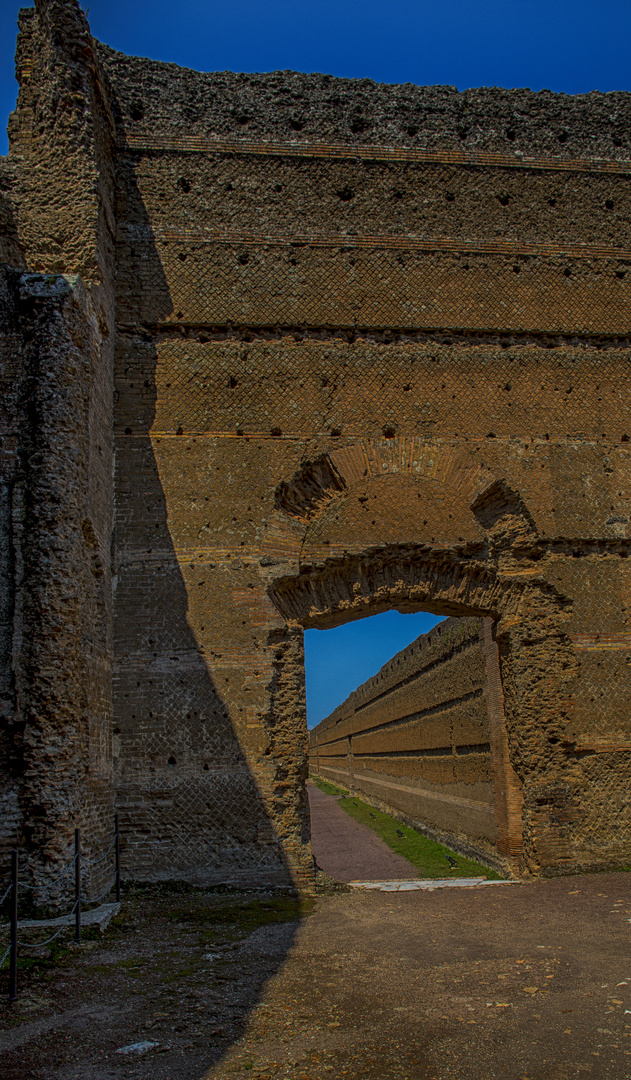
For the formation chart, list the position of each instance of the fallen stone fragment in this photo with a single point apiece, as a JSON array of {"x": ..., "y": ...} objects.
[
  {"x": 92, "y": 917},
  {"x": 137, "y": 1048}
]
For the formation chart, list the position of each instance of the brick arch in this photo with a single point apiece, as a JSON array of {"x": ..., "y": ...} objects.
[
  {"x": 316, "y": 481},
  {"x": 303, "y": 499},
  {"x": 404, "y": 577},
  {"x": 412, "y": 456},
  {"x": 495, "y": 577},
  {"x": 487, "y": 505}
]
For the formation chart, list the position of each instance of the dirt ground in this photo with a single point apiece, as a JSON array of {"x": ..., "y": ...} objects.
[{"x": 518, "y": 981}]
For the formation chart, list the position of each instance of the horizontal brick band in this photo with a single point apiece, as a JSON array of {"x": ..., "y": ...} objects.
[
  {"x": 422, "y": 793},
  {"x": 372, "y": 281},
  {"x": 402, "y": 721},
  {"x": 601, "y": 642},
  {"x": 469, "y": 245},
  {"x": 199, "y": 144},
  {"x": 604, "y": 746}
]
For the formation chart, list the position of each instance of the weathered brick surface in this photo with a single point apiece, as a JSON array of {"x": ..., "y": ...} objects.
[
  {"x": 370, "y": 348},
  {"x": 11, "y": 369},
  {"x": 55, "y": 580},
  {"x": 57, "y": 449}
]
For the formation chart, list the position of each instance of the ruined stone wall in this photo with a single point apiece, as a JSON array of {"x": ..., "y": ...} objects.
[
  {"x": 10, "y": 376},
  {"x": 371, "y": 349},
  {"x": 11, "y": 253},
  {"x": 54, "y": 587},
  {"x": 11, "y": 345},
  {"x": 337, "y": 331},
  {"x": 57, "y": 495},
  {"x": 418, "y": 738}
]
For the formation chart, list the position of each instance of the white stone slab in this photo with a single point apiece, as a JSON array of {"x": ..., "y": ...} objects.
[
  {"x": 429, "y": 884},
  {"x": 99, "y": 916}
]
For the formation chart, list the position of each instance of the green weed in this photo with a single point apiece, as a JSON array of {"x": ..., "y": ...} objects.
[
  {"x": 429, "y": 857},
  {"x": 234, "y": 919},
  {"x": 57, "y": 955},
  {"x": 326, "y": 786},
  {"x": 133, "y": 967}
]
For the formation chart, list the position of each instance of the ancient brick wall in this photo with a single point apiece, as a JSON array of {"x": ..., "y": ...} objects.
[
  {"x": 417, "y": 739},
  {"x": 343, "y": 343},
  {"x": 371, "y": 347},
  {"x": 54, "y": 584},
  {"x": 11, "y": 345},
  {"x": 10, "y": 373}
]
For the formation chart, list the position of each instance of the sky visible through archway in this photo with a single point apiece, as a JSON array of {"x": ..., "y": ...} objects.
[{"x": 338, "y": 661}]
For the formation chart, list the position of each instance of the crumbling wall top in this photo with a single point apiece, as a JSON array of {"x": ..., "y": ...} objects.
[{"x": 156, "y": 98}]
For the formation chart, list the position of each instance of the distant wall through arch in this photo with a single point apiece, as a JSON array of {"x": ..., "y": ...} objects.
[{"x": 425, "y": 738}]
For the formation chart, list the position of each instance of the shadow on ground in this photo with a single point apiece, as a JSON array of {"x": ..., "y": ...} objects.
[
  {"x": 530, "y": 982},
  {"x": 177, "y": 972}
]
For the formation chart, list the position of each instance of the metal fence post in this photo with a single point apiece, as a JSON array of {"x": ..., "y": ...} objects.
[
  {"x": 117, "y": 853},
  {"x": 77, "y": 885},
  {"x": 13, "y": 954}
]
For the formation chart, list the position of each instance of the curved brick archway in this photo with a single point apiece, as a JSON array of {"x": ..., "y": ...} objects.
[{"x": 492, "y": 572}]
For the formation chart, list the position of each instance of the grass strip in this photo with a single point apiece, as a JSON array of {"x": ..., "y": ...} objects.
[{"x": 428, "y": 856}]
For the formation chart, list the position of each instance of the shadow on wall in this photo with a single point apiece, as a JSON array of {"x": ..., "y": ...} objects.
[{"x": 190, "y": 805}]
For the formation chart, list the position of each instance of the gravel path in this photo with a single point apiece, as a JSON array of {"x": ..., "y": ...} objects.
[
  {"x": 532, "y": 982},
  {"x": 347, "y": 850}
]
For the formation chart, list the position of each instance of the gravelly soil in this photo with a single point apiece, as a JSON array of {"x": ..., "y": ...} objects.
[{"x": 525, "y": 981}]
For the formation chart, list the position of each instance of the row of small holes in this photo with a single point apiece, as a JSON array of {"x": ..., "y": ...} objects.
[
  {"x": 359, "y": 124},
  {"x": 346, "y": 193}
]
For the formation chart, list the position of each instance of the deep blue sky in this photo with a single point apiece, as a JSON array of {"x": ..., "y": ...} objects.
[
  {"x": 571, "y": 46},
  {"x": 565, "y": 45},
  {"x": 338, "y": 661}
]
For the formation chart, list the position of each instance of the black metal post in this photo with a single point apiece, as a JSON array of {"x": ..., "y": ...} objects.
[
  {"x": 13, "y": 955},
  {"x": 77, "y": 885},
  {"x": 117, "y": 853}
]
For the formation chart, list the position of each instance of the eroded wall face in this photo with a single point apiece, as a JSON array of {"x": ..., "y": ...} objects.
[
  {"x": 55, "y": 596},
  {"x": 56, "y": 492},
  {"x": 11, "y": 346},
  {"x": 371, "y": 350},
  {"x": 330, "y": 346},
  {"x": 416, "y": 737}
]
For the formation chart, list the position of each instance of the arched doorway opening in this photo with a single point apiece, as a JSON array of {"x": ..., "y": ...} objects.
[
  {"x": 493, "y": 824},
  {"x": 472, "y": 552},
  {"x": 425, "y": 739}
]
